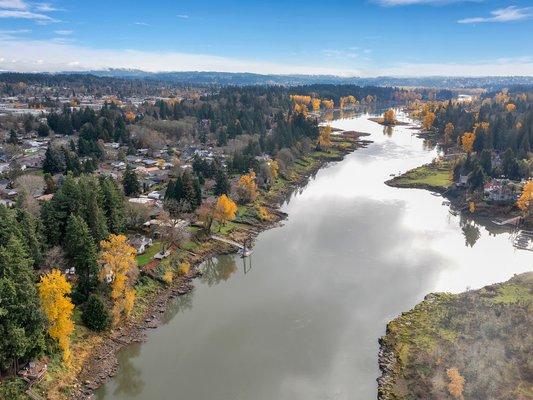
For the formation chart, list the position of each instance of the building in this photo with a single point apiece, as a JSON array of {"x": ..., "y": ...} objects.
[{"x": 500, "y": 191}]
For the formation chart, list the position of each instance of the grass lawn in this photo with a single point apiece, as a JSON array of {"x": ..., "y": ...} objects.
[
  {"x": 147, "y": 256},
  {"x": 436, "y": 176}
]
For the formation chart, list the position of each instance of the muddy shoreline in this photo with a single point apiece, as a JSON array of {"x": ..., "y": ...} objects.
[{"x": 102, "y": 364}]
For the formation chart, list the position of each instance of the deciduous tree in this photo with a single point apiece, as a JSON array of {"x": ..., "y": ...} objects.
[
  {"x": 54, "y": 291},
  {"x": 225, "y": 209},
  {"x": 117, "y": 259},
  {"x": 247, "y": 188}
]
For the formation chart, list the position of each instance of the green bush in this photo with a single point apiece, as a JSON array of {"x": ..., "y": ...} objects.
[{"x": 95, "y": 316}]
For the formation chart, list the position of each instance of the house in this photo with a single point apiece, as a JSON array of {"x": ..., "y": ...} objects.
[
  {"x": 143, "y": 200},
  {"x": 155, "y": 195},
  {"x": 500, "y": 190},
  {"x": 463, "y": 180},
  {"x": 140, "y": 243},
  {"x": 162, "y": 254},
  {"x": 7, "y": 203}
]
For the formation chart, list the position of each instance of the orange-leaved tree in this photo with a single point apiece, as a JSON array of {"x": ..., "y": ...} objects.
[
  {"x": 467, "y": 141},
  {"x": 525, "y": 201},
  {"x": 119, "y": 268},
  {"x": 389, "y": 117},
  {"x": 247, "y": 188},
  {"x": 225, "y": 209},
  {"x": 456, "y": 384},
  {"x": 324, "y": 138},
  {"x": 54, "y": 292},
  {"x": 427, "y": 122}
]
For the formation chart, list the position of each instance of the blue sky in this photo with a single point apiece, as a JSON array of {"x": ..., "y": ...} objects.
[{"x": 366, "y": 38}]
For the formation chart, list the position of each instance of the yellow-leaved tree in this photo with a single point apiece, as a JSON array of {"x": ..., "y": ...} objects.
[
  {"x": 389, "y": 117},
  {"x": 448, "y": 133},
  {"x": 274, "y": 168},
  {"x": 225, "y": 210},
  {"x": 510, "y": 107},
  {"x": 324, "y": 138},
  {"x": 525, "y": 201},
  {"x": 427, "y": 122},
  {"x": 119, "y": 268},
  {"x": 328, "y": 104},
  {"x": 467, "y": 141},
  {"x": 315, "y": 104},
  {"x": 456, "y": 384},
  {"x": 247, "y": 188},
  {"x": 54, "y": 292}
]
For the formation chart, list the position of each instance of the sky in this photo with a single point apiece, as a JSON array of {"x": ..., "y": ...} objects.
[{"x": 338, "y": 37}]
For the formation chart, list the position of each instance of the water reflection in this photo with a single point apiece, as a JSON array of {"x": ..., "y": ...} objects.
[
  {"x": 129, "y": 383},
  {"x": 218, "y": 269},
  {"x": 304, "y": 322}
]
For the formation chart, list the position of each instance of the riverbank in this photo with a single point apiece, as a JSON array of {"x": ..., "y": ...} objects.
[
  {"x": 437, "y": 177},
  {"x": 96, "y": 361},
  {"x": 478, "y": 336}
]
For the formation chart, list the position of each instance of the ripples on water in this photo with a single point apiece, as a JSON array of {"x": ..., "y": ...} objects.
[{"x": 301, "y": 319}]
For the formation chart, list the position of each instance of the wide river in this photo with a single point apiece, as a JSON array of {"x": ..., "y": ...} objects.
[{"x": 302, "y": 317}]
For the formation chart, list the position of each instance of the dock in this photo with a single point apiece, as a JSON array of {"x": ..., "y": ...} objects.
[{"x": 243, "y": 250}]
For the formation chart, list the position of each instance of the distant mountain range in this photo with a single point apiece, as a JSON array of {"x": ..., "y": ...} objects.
[
  {"x": 240, "y": 78},
  {"x": 197, "y": 78}
]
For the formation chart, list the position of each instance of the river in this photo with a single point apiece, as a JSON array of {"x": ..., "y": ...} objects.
[{"x": 301, "y": 318}]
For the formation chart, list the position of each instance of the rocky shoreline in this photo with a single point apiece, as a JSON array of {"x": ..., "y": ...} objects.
[
  {"x": 447, "y": 331},
  {"x": 102, "y": 363}
]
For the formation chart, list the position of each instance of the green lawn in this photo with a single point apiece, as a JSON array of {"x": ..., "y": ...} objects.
[
  {"x": 434, "y": 176},
  {"x": 147, "y": 256}
]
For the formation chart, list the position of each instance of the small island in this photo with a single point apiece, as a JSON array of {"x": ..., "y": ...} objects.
[
  {"x": 471, "y": 345},
  {"x": 388, "y": 119}
]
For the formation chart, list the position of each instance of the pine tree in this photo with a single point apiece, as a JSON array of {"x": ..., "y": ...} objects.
[
  {"x": 92, "y": 211},
  {"x": 222, "y": 185},
  {"x": 95, "y": 316},
  {"x": 53, "y": 162},
  {"x": 21, "y": 319},
  {"x": 113, "y": 204},
  {"x": 81, "y": 250},
  {"x": 130, "y": 182}
]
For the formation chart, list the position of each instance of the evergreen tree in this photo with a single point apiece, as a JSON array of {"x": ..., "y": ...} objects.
[
  {"x": 31, "y": 233},
  {"x": 113, "y": 204},
  {"x": 476, "y": 178},
  {"x": 130, "y": 182},
  {"x": 95, "y": 316},
  {"x": 81, "y": 250},
  {"x": 485, "y": 160},
  {"x": 21, "y": 320},
  {"x": 222, "y": 185},
  {"x": 43, "y": 130},
  {"x": 53, "y": 162},
  {"x": 92, "y": 207}
]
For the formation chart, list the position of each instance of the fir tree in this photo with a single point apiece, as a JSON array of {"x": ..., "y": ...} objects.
[
  {"x": 130, "y": 182},
  {"x": 81, "y": 250}
]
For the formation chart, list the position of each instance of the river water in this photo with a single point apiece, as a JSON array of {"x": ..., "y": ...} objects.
[{"x": 301, "y": 318}]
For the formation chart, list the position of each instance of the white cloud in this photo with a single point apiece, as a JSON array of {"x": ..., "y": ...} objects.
[
  {"x": 20, "y": 14},
  {"x": 141, "y": 23},
  {"x": 46, "y": 7},
  {"x": 64, "y": 32},
  {"x": 22, "y": 55},
  {"x": 334, "y": 53},
  {"x": 62, "y": 56},
  {"x": 507, "y": 14},
  {"x": 13, "y": 4},
  {"x": 182, "y": 16},
  {"x": 521, "y": 66}
]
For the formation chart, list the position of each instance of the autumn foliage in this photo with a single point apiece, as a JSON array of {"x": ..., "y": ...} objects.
[
  {"x": 247, "y": 188},
  {"x": 525, "y": 202},
  {"x": 467, "y": 141},
  {"x": 389, "y": 117},
  {"x": 324, "y": 138},
  {"x": 427, "y": 122},
  {"x": 54, "y": 292},
  {"x": 456, "y": 384},
  {"x": 118, "y": 265},
  {"x": 225, "y": 209}
]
